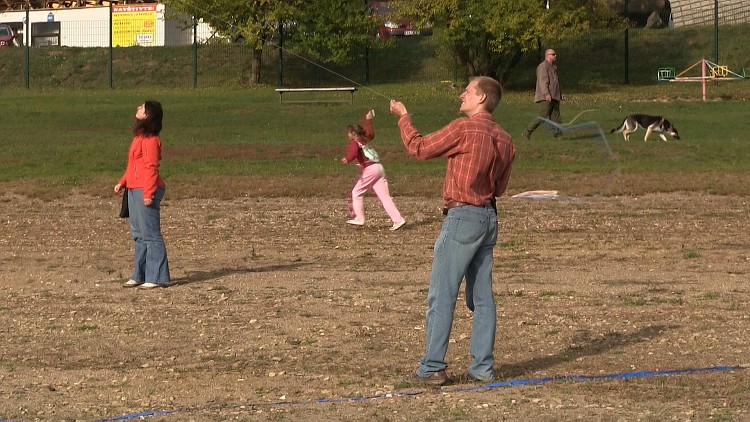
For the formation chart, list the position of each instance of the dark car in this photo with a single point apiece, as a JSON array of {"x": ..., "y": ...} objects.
[{"x": 8, "y": 37}]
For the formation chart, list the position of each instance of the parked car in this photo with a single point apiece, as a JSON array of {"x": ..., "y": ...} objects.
[
  {"x": 410, "y": 28},
  {"x": 402, "y": 28},
  {"x": 392, "y": 27},
  {"x": 8, "y": 37}
]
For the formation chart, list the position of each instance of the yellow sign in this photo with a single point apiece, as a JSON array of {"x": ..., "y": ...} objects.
[
  {"x": 720, "y": 71},
  {"x": 133, "y": 24}
]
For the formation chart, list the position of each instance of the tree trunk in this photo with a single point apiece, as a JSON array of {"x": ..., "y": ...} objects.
[
  {"x": 510, "y": 65},
  {"x": 255, "y": 62}
]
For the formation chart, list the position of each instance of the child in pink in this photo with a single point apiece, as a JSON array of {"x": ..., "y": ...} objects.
[{"x": 371, "y": 176}]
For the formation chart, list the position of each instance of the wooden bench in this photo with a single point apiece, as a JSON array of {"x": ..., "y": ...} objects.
[{"x": 349, "y": 89}]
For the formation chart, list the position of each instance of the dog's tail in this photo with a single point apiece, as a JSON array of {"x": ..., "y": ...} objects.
[{"x": 619, "y": 128}]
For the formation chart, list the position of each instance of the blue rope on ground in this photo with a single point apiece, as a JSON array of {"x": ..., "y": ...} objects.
[
  {"x": 608, "y": 377},
  {"x": 491, "y": 386},
  {"x": 140, "y": 415}
]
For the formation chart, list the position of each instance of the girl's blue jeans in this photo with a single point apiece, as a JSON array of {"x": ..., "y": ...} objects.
[{"x": 150, "y": 264}]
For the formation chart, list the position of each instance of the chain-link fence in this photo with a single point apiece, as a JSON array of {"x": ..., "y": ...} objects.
[{"x": 111, "y": 52}]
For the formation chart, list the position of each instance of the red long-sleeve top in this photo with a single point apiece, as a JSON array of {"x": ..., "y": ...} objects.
[
  {"x": 353, "y": 151},
  {"x": 480, "y": 154},
  {"x": 143, "y": 165}
]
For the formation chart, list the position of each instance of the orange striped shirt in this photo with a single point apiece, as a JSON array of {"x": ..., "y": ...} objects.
[{"x": 480, "y": 154}]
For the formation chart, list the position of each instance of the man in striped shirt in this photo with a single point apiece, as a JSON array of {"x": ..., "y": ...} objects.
[{"x": 479, "y": 157}]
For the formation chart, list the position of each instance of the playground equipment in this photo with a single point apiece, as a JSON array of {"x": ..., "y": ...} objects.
[{"x": 709, "y": 72}]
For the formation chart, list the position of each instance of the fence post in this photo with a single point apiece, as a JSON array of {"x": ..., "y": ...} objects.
[
  {"x": 716, "y": 31},
  {"x": 281, "y": 53},
  {"x": 195, "y": 52},
  {"x": 367, "y": 65},
  {"x": 27, "y": 52},
  {"x": 111, "y": 47},
  {"x": 367, "y": 59},
  {"x": 626, "y": 54}
]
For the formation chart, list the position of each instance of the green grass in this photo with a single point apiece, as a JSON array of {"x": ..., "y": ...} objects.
[
  {"x": 588, "y": 63},
  {"x": 691, "y": 255},
  {"x": 226, "y": 143}
]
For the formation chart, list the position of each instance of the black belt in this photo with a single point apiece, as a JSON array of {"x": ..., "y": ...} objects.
[{"x": 455, "y": 204}]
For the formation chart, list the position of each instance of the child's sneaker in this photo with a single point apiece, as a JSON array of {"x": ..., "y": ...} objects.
[{"x": 398, "y": 225}]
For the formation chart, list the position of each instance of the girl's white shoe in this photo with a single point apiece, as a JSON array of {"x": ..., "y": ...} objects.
[{"x": 398, "y": 225}]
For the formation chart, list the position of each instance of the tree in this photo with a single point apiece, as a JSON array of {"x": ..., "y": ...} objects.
[
  {"x": 327, "y": 30},
  {"x": 333, "y": 31},
  {"x": 489, "y": 37},
  {"x": 252, "y": 20}
]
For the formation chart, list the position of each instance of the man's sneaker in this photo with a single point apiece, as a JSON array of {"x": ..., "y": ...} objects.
[
  {"x": 355, "y": 222},
  {"x": 398, "y": 225},
  {"x": 433, "y": 378},
  {"x": 132, "y": 283},
  {"x": 489, "y": 379}
]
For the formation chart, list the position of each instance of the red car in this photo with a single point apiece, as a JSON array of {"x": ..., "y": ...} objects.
[
  {"x": 8, "y": 37},
  {"x": 396, "y": 28},
  {"x": 402, "y": 27}
]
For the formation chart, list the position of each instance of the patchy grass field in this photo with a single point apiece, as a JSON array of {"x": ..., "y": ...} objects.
[
  {"x": 281, "y": 311},
  {"x": 278, "y": 304}
]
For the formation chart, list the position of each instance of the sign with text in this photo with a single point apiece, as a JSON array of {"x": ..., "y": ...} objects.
[{"x": 133, "y": 24}]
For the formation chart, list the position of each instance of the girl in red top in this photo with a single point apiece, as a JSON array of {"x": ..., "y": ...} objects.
[
  {"x": 145, "y": 190},
  {"x": 372, "y": 174}
]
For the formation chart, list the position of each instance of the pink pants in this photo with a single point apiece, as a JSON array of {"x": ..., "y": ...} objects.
[{"x": 373, "y": 177}]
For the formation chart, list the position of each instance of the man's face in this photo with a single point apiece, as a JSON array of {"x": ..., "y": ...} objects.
[
  {"x": 551, "y": 56},
  {"x": 471, "y": 100}
]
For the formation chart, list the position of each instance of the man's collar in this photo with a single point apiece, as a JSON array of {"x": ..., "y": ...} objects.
[{"x": 482, "y": 115}]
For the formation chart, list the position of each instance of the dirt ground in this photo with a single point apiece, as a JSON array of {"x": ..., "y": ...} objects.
[{"x": 280, "y": 311}]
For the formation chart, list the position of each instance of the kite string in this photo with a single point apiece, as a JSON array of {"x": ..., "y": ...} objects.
[{"x": 288, "y": 51}]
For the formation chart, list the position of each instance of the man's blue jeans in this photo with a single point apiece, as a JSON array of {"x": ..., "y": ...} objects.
[
  {"x": 150, "y": 263},
  {"x": 463, "y": 249}
]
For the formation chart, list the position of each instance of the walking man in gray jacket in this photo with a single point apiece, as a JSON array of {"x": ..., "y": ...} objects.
[{"x": 548, "y": 94}]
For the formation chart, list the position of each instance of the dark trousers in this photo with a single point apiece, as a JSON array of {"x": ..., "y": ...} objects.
[{"x": 548, "y": 110}]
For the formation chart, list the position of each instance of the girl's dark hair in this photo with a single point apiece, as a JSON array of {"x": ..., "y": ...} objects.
[
  {"x": 151, "y": 125},
  {"x": 357, "y": 130}
]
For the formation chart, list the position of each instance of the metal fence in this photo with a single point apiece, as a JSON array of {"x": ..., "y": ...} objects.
[{"x": 207, "y": 60}]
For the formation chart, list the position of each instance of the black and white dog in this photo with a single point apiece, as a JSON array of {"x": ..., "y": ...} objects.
[{"x": 651, "y": 123}]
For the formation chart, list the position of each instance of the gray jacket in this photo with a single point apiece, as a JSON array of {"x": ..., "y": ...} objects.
[{"x": 547, "y": 82}]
